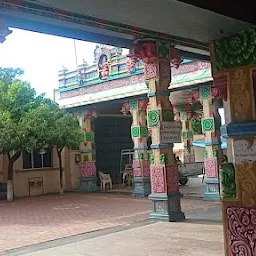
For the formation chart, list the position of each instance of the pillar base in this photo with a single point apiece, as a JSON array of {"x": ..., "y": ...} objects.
[
  {"x": 212, "y": 189},
  {"x": 141, "y": 186},
  {"x": 166, "y": 207},
  {"x": 89, "y": 184}
]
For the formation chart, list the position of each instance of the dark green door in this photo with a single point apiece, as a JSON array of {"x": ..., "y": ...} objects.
[{"x": 112, "y": 134}]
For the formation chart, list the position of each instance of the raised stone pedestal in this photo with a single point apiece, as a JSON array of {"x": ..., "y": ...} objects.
[
  {"x": 141, "y": 186},
  {"x": 166, "y": 207},
  {"x": 212, "y": 189},
  {"x": 89, "y": 184}
]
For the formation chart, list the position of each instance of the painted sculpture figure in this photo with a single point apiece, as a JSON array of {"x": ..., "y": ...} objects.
[
  {"x": 103, "y": 67},
  {"x": 131, "y": 63},
  {"x": 227, "y": 173}
]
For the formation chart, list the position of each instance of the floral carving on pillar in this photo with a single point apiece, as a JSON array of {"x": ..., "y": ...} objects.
[
  {"x": 146, "y": 50},
  {"x": 164, "y": 68},
  {"x": 88, "y": 169},
  {"x": 211, "y": 167},
  {"x": 240, "y": 99},
  {"x": 158, "y": 179},
  {"x": 175, "y": 56},
  {"x": 142, "y": 104},
  {"x": 146, "y": 168},
  {"x": 151, "y": 70},
  {"x": 241, "y": 231},
  {"x": 172, "y": 178},
  {"x": 246, "y": 183},
  {"x": 220, "y": 89},
  {"x": 90, "y": 113},
  {"x": 137, "y": 172}
]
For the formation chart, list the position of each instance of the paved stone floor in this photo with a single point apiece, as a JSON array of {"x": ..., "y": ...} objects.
[
  {"x": 162, "y": 239},
  {"x": 29, "y": 221}
]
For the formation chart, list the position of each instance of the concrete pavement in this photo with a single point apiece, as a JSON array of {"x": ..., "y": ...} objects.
[{"x": 162, "y": 239}]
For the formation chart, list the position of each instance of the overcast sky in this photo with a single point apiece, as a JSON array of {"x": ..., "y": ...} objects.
[{"x": 42, "y": 56}]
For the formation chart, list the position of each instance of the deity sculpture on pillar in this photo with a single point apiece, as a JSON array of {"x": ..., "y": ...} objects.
[
  {"x": 131, "y": 63},
  {"x": 104, "y": 67}
]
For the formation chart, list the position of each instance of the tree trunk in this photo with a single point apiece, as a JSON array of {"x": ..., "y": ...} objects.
[
  {"x": 11, "y": 161},
  {"x": 61, "y": 172}
]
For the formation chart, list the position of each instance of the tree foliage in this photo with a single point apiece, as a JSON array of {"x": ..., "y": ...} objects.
[
  {"x": 30, "y": 122},
  {"x": 52, "y": 127}
]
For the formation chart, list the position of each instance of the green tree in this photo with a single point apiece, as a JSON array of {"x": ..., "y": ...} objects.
[
  {"x": 53, "y": 127},
  {"x": 9, "y": 75},
  {"x": 17, "y": 98}
]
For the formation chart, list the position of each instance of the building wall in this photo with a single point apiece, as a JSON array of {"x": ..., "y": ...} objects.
[{"x": 27, "y": 182}]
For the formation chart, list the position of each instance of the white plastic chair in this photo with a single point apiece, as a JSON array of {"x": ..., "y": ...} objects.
[
  {"x": 127, "y": 174},
  {"x": 105, "y": 179}
]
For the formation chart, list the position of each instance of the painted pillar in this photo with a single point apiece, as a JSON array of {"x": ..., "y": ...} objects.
[
  {"x": 139, "y": 133},
  {"x": 88, "y": 178},
  {"x": 211, "y": 122},
  {"x": 184, "y": 113},
  {"x": 165, "y": 194},
  {"x": 234, "y": 63}
]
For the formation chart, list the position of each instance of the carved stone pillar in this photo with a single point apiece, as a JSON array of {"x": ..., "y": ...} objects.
[
  {"x": 88, "y": 178},
  {"x": 184, "y": 113},
  {"x": 211, "y": 122},
  {"x": 234, "y": 64},
  {"x": 139, "y": 132},
  {"x": 165, "y": 194}
]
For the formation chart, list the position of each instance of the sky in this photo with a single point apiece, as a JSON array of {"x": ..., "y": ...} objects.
[{"x": 41, "y": 56}]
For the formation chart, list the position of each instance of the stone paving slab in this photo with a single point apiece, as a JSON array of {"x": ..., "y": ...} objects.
[
  {"x": 34, "y": 220},
  {"x": 162, "y": 239}
]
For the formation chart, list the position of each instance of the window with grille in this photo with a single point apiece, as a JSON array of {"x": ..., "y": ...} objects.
[{"x": 34, "y": 159}]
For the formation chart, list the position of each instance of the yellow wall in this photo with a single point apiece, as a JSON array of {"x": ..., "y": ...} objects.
[{"x": 50, "y": 176}]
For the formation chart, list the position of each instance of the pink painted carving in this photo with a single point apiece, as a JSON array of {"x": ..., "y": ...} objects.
[
  {"x": 88, "y": 169},
  {"x": 211, "y": 167},
  {"x": 172, "y": 178},
  {"x": 143, "y": 104},
  {"x": 241, "y": 231},
  {"x": 192, "y": 159},
  {"x": 158, "y": 179},
  {"x": 150, "y": 70},
  {"x": 220, "y": 89},
  {"x": 146, "y": 168},
  {"x": 186, "y": 159},
  {"x": 90, "y": 113},
  {"x": 164, "y": 68},
  {"x": 104, "y": 86},
  {"x": 137, "y": 168},
  {"x": 175, "y": 57}
]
